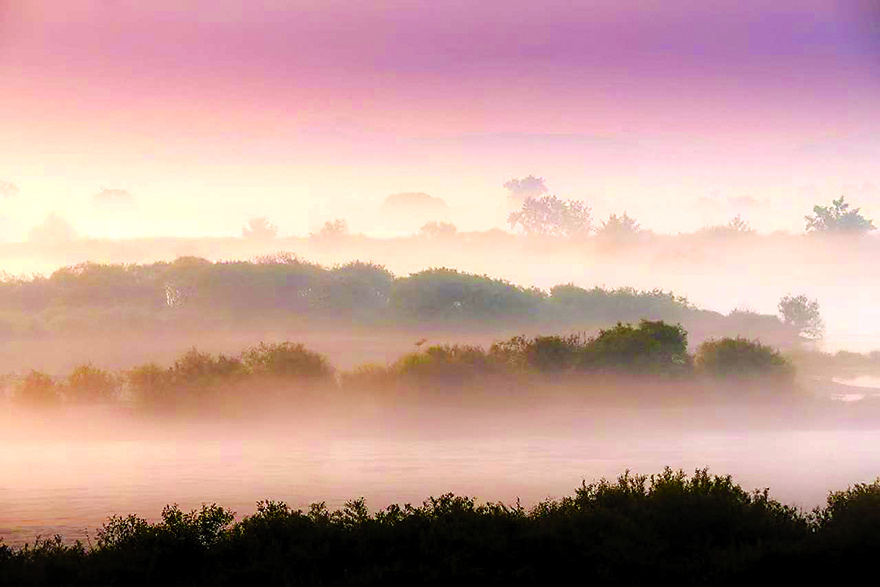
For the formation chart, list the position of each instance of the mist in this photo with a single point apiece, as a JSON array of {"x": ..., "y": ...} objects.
[{"x": 314, "y": 263}]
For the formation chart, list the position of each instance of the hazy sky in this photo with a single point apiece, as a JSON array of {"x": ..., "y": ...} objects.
[{"x": 208, "y": 112}]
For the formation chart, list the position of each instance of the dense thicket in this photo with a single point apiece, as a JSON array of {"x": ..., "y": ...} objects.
[
  {"x": 669, "y": 527},
  {"x": 193, "y": 292},
  {"x": 652, "y": 349}
]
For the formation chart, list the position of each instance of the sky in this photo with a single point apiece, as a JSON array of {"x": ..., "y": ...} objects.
[{"x": 196, "y": 115}]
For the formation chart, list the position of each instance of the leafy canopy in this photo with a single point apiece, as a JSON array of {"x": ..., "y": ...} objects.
[{"x": 838, "y": 218}]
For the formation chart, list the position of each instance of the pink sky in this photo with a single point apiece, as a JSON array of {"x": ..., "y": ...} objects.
[{"x": 303, "y": 111}]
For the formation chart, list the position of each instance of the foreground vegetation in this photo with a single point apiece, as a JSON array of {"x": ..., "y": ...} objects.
[
  {"x": 695, "y": 530},
  {"x": 649, "y": 351}
]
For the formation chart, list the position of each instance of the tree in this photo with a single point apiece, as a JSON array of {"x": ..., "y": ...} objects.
[
  {"x": 335, "y": 229},
  {"x": 53, "y": 230},
  {"x": 527, "y": 187},
  {"x": 259, "y": 229},
  {"x": 90, "y": 384},
  {"x": 801, "y": 313},
  {"x": 619, "y": 228},
  {"x": 550, "y": 216},
  {"x": 737, "y": 224},
  {"x": 434, "y": 229},
  {"x": 838, "y": 218}
]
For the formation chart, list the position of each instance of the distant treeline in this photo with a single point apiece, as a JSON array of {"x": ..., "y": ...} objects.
[
  {"x": 667, "y": 528},
  {"x": 652, "y": 349},
  {"x": 196, "y": 293}
]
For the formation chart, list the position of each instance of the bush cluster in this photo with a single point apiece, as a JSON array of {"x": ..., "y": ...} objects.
[
  {"x": 191, "y": 291},
  {"x": 650, "y": 349},
  {"x": 670, "y": 527}
]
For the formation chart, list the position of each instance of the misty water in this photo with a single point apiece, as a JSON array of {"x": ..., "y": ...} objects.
[{"x": 68, "y": 482}]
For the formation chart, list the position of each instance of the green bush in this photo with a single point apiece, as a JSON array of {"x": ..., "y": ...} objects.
[
  {"x": 286, "y": 360},
  {"x": 447, "y": 364},
  {"x": 654, "y": 347},
  {"x": 741, "y": 359},
  {"x": 149, "y": 384},
  {"x": 89, "y": 384},
  {"x": 544, "y": 354}
]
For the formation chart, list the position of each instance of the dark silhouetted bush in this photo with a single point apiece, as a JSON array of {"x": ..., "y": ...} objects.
[{"x": 670, "y": 527}]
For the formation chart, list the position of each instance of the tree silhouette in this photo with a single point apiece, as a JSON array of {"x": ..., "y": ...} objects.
[
  {"x": 259, "y": 229},
  {"x": 527, "y": 187},
  {"x": 550, "y": 216},
  {"x": 803, "y": 314},
  {"x": 618, "y": 228},
  {"x": 434, "y": 229},
  {"x": 838, "y": 218}
]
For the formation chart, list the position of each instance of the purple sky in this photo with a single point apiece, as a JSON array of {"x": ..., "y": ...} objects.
[{"x": 312, "y": 109}]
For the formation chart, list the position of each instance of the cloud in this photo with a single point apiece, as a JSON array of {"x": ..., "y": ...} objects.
[{"x": 8, "y": 189}]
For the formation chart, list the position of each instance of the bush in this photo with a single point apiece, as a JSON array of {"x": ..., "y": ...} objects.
[
  {"x": 149, "y": 384},
  {"x": 38, "y": 389},
  {"x": 286, "y": 360},
  {"x": 545, "y": 354},
  {"x": 851, "y": 518},
  {"x": 654, "y": 347},
  {"x": 89, "y": 384},
  {"x": 740, "y": 359},
  {"x": 197, "y": 371},
  {"x": 447, "y": 364},
  {"x": 370, "y": 377}
]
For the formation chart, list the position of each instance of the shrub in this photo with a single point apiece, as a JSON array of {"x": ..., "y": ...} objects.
[
  {"x": 89, "y": 384},
  {"x": 851, "y": 518},
  {"x": 38, "y": 389},
  {"x": 651, "y": 346},
  {"x": 447, "y": 364},
  {"x": 740, "y": 358},
  {"x": 369, "y": 377},
  {"x": 286, "y": 360},
  {"x": 200, "y": 371},
  {"x": 544, "y": 354},
  {"x": 149, "y": 384}
]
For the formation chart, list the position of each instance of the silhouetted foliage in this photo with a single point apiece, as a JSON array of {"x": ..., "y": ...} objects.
[
  {"x": 449, "y": 294},
  {"x": 527, "y": 187},
  {"x": 838, "y": 218},
  {"x": 259, "y": 229},
  {"x": 333, "y": 229},
  {"x": 89, "y": 384},
  {"x": 802, "y": 314},
  {"x": 550, "y": 216},
  {"x": 686, "y": 530},
  {"x": 286, "y": 360},
  {"x": 447, "y": 364},
  {"x": 738, "y": 359},
  {"x": 438, "y": 230},
  {"x": 38, "y": 389},
  {"x": 650, "y": 346},
  {"x": 619, "y": 229}
]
